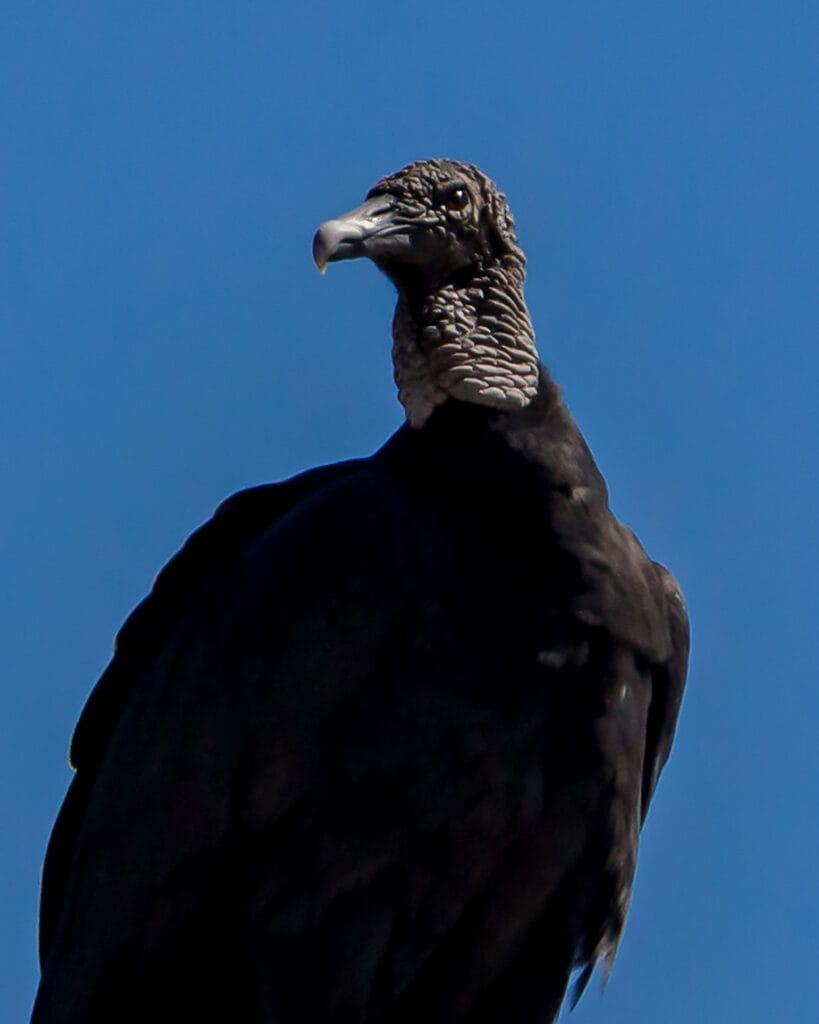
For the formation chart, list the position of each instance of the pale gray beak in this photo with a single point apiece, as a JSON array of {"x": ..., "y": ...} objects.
[{"x": 375, "y": 230}]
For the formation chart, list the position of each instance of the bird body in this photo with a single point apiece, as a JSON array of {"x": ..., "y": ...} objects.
[{"x": 379, "y": 744}]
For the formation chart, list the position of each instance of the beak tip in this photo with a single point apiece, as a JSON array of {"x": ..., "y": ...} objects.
[
  {"x": 349, "y": 237},
  {"x": 320, "y": 252}
]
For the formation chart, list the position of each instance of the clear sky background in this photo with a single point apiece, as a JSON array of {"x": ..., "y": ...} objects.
[{"x": 166, "y": 340}]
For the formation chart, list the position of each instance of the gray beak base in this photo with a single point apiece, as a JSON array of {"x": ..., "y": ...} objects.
[{"x": 370, "y": 230}]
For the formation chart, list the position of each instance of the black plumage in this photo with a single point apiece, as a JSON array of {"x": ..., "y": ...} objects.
[{"x": 379, "y": 744}]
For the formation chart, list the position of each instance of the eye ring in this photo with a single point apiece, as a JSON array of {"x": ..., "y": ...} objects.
[{"x": 457, "y": 200}]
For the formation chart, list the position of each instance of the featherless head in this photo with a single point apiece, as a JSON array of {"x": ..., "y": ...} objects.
[{"x": 435, "y": 217}]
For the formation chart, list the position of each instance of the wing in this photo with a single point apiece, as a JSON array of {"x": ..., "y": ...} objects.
[
  {"x": 235, "y": 525},
  {"x": 291, "y": 801},
  {"x": 316, "y": 791},
  {"x": 271, "y": 643},
  {"x": 667, "y": 689}
]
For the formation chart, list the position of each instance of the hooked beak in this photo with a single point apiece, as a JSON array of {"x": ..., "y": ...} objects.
[{"x": 374, "y": 230}]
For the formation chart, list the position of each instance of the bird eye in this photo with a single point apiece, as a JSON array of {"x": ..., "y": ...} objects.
[{"x": 457, "y": 200}]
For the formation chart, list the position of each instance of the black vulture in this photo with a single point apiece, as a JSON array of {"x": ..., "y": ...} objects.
[{"x": 379, "y": 744}]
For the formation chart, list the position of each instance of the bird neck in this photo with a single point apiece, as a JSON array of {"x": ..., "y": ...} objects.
[
  {"x": 469, "y": 340},
  {"x": 528, "y": 454}
]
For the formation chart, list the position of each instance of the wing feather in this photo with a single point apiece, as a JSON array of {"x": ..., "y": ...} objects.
[{"x": 237, "y": 522}]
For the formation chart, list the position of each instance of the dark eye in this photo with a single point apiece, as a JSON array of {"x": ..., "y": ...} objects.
[{"x": 457, "y": 200}]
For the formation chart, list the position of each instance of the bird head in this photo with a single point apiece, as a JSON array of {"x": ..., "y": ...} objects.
[{"x": 433, "y": 221}]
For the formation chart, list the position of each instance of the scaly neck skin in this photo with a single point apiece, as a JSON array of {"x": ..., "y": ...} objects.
[{"x": 473, "y": 341}]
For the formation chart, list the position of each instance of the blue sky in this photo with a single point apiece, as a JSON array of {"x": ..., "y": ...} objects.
[{"x": 166, "y": 340}]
